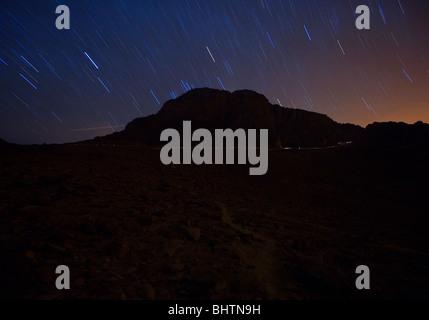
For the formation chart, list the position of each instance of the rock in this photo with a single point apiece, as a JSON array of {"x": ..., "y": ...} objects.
[
  {"x": 46, "y": 274},
  {"x": 299, "y": 245},
  {"x": 219, "y": 290},
  {"x": 47, "y": 181},
  {"x": 90, "y": 188},
  {"x": 80, "y": 282},
  {"x": 322, "y": 277},
  {"x": 120, "y": 249},
  {"x": 56, "y": 247},
  {"x": 194, "y": 233},
  {"x": 106, "y": 227},
  {"x": 177, "y": 266},
  {"x": 30, "y": 254},
  {"x": 172, "y": 246},
  {"x": 29, "y": 210},
  {"x": 160, "y": 213},
  {"x": 145, "y": 220},
  {"x": 149, "y": 291},
  {"x": 42, "y": 200}
]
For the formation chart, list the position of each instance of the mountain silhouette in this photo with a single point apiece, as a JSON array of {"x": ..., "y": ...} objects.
[
  {"x": 397, "y": 134},
  {"x": 216, "y": 109},
  {"x": 3, "y": 143}
]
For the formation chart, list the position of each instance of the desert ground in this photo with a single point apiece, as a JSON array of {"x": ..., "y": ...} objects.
[{"x": 129, "y": 227}]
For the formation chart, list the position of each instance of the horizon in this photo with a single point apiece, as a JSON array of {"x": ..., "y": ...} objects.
[
  {"x": 110, "y": 130},
  {"x": 120, "y": 61}
]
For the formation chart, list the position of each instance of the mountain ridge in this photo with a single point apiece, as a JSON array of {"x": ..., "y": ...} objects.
[
  {"x": 217, "y": 109},
  {"x": 3, "y": 142}
]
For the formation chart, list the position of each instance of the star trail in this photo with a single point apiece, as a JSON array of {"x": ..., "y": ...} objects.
[{"x": 123, "y": 59}]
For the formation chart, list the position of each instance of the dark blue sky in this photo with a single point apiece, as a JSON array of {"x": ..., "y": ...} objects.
[{"x": 123, "y": 59}]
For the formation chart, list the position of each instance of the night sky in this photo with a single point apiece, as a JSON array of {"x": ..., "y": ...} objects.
[{"x": 123, "y": 59}]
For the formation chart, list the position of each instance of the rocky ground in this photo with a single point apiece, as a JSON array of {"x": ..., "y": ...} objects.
[{"x": 131, "y": 228}]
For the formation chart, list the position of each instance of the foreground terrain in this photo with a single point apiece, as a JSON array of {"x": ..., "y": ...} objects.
[{"x": 131, "y": 228}]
